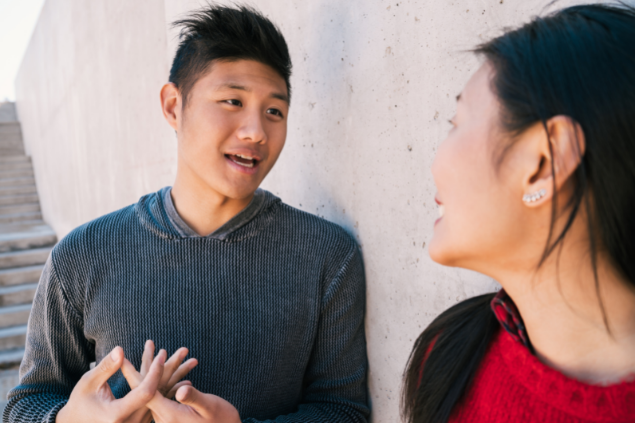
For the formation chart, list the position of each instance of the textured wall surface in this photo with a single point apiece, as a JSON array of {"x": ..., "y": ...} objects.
[
  {"x": 87, "y": 96},
  {"x": 374, "y": 85}
]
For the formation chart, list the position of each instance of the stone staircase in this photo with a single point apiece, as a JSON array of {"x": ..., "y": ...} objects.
[{"x": 25, "y": 240}]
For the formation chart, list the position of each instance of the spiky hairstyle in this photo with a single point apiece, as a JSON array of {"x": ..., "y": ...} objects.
[{"x": 226, "y": 33}]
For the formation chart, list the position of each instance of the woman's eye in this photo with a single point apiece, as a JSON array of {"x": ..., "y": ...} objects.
[
  {"x": 275, "y": 112},
  {"x": 234, "y": 102}
]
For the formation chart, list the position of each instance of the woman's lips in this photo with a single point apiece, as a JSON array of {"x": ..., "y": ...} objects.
[{"x": 441, "y": 209}]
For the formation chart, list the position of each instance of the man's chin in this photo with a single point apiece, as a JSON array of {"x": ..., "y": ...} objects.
[{"x": 239, "y": 193}]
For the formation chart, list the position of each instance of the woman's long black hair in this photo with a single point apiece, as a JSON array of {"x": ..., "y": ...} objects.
[{"x": 578, "y": 62}]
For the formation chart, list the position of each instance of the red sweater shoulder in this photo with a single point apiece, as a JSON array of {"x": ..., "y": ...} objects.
[{"x": 512, "y": 385}]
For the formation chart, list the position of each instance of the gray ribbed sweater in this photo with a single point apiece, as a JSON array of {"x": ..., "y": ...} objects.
[{"x": 271, "y": 304}]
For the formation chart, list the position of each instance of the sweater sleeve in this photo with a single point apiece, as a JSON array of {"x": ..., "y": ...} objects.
[
  {"x": 57, "y": 355},
  {"x": 335, "y": 381}
]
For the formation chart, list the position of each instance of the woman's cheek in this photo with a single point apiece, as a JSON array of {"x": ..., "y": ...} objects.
[{"x": 458, "y": 170}]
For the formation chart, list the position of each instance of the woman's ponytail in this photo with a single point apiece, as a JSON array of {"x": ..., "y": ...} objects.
[{"x": 445, "y": 358}]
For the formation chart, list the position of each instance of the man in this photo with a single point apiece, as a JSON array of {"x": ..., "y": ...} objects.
[{"x": 269, "y": 299}]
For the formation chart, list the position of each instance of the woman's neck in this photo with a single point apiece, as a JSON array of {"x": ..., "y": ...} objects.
[{"x": 567, "y": 326}]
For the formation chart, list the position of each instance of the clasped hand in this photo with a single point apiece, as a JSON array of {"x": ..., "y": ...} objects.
[{"x": 153, "y": 388}]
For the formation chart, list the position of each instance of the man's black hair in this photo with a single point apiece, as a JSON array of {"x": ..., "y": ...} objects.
[{"x": 226, "y": 33}]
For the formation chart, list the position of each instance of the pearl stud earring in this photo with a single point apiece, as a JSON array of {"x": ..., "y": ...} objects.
[{"x": 531, "y": 198}]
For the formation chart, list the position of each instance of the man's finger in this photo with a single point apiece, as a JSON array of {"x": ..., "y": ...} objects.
[
  {"x": 162, "y": 406},
  {"x": 188, "y": 395},
  {"x": 107, "y": 367},
  {"x": 207, "y": 405},
  {"x": 182, "y": 371},
  {"x": 147, "y": 357},
  {"x": 172, "y": 365},
  {"x": 143, "y": 393},
  {"x": 131, "y": 374},
  {"x": 172, "y": 393}
]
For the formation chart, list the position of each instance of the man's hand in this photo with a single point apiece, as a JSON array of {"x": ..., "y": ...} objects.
[
  {"x": 173, "y": 371},
  {"x": 92, "y": 400},
  {"x": 194, "y": 407}
]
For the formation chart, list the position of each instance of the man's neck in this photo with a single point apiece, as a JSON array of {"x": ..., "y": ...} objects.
[{"x": 202, "y": 208}]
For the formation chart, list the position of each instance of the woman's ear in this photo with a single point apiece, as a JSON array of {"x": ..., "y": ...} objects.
[
  {"x": 566, "y": 139},
  {"x": 171, "y": 104}
]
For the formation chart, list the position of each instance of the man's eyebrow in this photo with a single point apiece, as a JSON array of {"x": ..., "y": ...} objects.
[
  {"x": 280, "y": 96},
  {"x": 233, "y": 86}
]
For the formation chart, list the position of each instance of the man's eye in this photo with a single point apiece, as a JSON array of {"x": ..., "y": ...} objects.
[
  {"x": 234, "y": 102},
  {"x": 275, "y": 112}
]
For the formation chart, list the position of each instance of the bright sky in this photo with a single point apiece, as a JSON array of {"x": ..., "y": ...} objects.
[{"x": 17, "y": 20}]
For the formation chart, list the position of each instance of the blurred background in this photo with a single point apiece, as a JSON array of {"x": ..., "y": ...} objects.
[
  {"x": 17, "y": 20},
  {"x": 374, "y": 83}
]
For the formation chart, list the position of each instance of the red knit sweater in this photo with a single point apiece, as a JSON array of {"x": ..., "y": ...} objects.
[{"x": 512, "y": 385}]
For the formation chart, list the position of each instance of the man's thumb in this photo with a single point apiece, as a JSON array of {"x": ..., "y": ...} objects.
[
  {"x": 107, "y": 367},
  {"x": 188, "y": 395}
]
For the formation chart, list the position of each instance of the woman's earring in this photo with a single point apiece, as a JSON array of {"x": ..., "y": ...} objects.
[{"x": 530, "y": 198}]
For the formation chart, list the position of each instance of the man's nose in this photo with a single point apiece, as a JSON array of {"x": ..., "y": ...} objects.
[{"x": 252, "y": 128}]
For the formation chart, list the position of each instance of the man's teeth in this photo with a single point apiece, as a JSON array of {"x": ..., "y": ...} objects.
[
  {"x": 249, "y": 164},
  {"x": 441, "y": 210},
  {"x": 244, "y": 157}
]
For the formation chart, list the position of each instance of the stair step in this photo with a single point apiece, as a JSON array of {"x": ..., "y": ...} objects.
[
  {"x": 24, "y": 258},
  {"x": 14, "y": 315},
  {"x": 27, "y": 189},
  {"x": 21, "y": 275},
  {"x": 19, "y": 181},
  {"x": 19, "y": 209},
  {"x": 11, "y": 357},
  {"x": 20, "y": 217},
  {"x": 12, "y": 150},
  {"x": 18, "y": 199},
  {"x": 10, "y": 132},
  {"x": 7, "y": 111},
  {"x": 21, "y": 225},
  {"x": 12, "y": 337},
  {"x": 14, "y": 158},
  {"x": 11, "y": 165},
  {"x": 17, "y": 294},
  {"x": 16, "y": 173},
  {"x": 18, "y": 189},
  {"x": 25, "y": 240},
  {"x": 11, "y": 147}
]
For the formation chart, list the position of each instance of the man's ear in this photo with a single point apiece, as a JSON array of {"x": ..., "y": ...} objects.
[
  {"x": 171, "y": 104},
  {"x": 567, "y": 149}
]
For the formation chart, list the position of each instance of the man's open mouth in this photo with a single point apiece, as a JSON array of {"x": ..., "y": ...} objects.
[{"x": 242, "y": 160}]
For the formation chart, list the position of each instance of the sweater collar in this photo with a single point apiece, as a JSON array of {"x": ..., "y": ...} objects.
[
  {"x": 509, "y": 317},
  {"x": 158, "y": 214},
  {"x": 243, "y": 217}
]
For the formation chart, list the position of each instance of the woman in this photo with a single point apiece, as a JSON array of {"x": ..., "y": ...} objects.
[{"x": 536, "y": 188}]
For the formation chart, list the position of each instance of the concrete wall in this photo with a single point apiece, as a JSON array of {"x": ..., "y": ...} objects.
[
  {"x": 87, "y": 96},
  {"x": 374, "y": 85}
]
